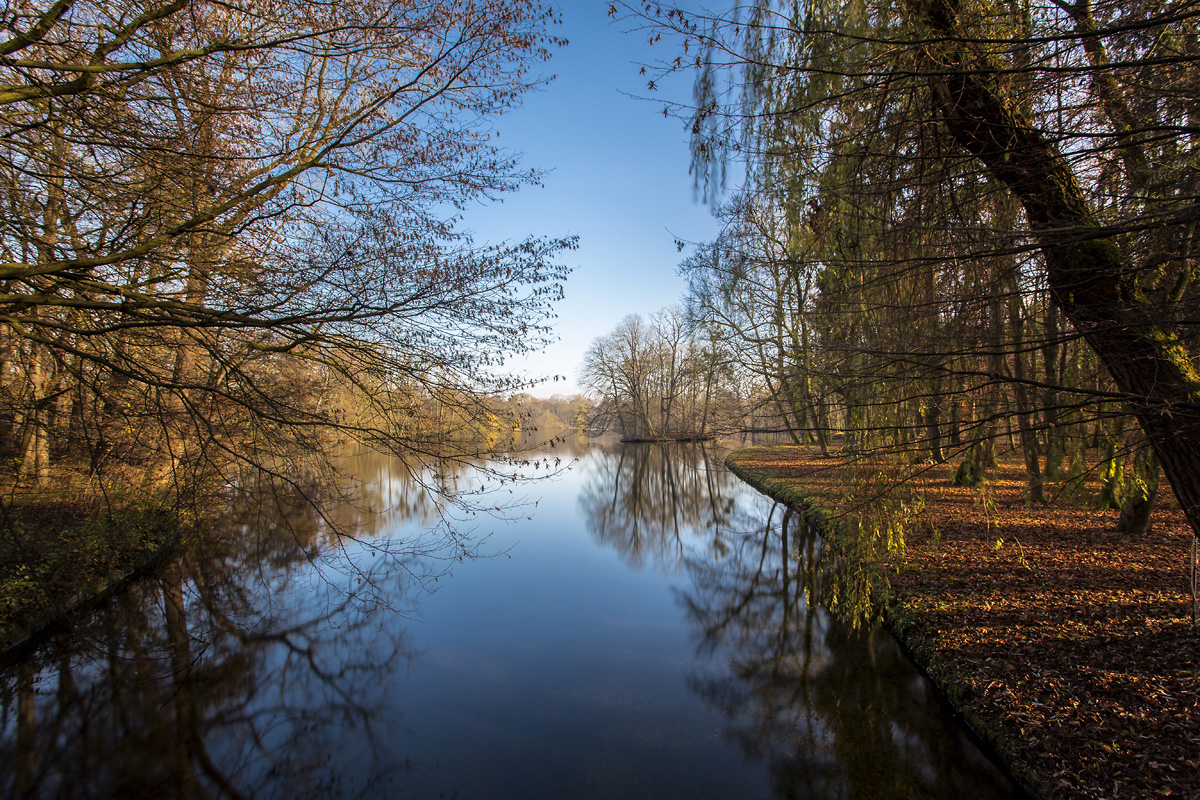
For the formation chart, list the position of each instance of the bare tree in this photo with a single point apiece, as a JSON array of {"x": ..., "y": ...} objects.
[
  {"x": 218, "y": 214},
  {"x": 659, "y": 379}
]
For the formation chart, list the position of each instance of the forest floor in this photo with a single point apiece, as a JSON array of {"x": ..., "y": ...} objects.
[{"x": 1068, "y": 646}]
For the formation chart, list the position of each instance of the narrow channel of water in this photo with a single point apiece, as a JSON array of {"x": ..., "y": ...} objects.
[{"x": 635, "y": 626}]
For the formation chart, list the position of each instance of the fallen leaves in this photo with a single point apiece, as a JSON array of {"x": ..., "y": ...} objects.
[{"x": 1083, "y": 655}]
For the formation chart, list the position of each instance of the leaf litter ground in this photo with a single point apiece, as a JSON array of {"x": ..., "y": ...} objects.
[{"x": 1073, "y": 643}]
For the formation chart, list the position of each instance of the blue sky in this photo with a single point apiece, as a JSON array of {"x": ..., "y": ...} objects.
[{"x": 618, "y": 180}]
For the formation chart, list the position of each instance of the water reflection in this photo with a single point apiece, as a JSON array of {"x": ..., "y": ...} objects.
[
  {"x": 832, "y": 711},
  {"x": 440, "y": 496},
  {"x": 241, "y": 671},
  {"x": 647, "y": 500},
  {"x": 278, "y": 657}
]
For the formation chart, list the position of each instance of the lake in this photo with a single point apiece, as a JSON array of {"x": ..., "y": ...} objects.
[{"x": 635, "y": 623}]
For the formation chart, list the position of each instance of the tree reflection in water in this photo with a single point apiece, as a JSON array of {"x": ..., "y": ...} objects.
[
  {"x": 835, "y": 712},
  {"x": 644, "y": 500},
  {"x": 251, "y": 667},
  {"x": 258, "y": 664}
]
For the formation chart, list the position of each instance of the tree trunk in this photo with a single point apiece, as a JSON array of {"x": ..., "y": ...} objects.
[
  {"x": 1090, "y": 279},
  {"x": 1054, "y": 365},
  {"x": 1029, "y": 442},
  {"x": 932, "y": 419},
  {"x": 1141, "y": 487},
  {"x": 35, "y": 439},
  {"x": 955, "y": 434},
  {"x": 819, "y": 424}
]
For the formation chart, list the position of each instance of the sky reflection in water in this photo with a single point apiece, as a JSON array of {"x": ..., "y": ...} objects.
[{"x": 638, "y": 628}]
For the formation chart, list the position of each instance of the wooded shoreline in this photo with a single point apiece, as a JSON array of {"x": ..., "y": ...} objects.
[
  {"x": 1067, "y": 647},
  {"x": 74, "y": 559}
]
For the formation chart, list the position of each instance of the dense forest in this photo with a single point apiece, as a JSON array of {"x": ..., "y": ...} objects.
[{"x": 965, "y": 226}]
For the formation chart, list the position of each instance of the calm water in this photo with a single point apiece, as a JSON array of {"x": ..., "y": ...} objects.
[{"x": 635, "y": 626}]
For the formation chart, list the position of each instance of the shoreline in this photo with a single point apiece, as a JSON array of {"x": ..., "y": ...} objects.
[
  {"x": 957, "y": 611},
  {"x": 32, "y": 619},
  {"x": 989, "y": 740}
]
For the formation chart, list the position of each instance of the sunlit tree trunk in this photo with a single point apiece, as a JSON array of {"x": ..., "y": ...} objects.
[
  {"x": 1090, "y": 278},
  {"x": 35, "y": 441},
  {"x": 1141, "y": 487},
  {"x": 35, "y": 433}
]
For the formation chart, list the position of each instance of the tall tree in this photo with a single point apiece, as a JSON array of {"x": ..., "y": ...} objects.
[
  {"x": 1036, "y": 149},
  {"x": 217, "y": 211},
  {"x": 658, "y": 379}
]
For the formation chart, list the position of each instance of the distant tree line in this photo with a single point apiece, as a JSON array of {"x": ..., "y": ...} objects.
[
  {"x": 542, "y": 417},
  {"x": 662, "y": 378}
]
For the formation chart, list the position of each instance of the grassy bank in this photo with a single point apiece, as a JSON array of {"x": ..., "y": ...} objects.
[
  {"x": 1066, "y": 645},
  {"x": 59, "y": 553}
]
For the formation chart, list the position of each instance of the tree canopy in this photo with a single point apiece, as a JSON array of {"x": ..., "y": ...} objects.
[
  {"x": 231, "y": 227},
  {"x": 661, "y": 378},
  {"x": 981, "y": 212}
]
